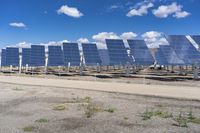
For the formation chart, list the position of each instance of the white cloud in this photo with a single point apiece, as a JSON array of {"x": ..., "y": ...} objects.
[
  {"x": 70, "y": 11},
  {"x": 100, "y": 37},
  {"x": 154, "y": 39},
  {"x": 128, "y": 35},
  {"x": 83, "y": 40},
  {"x": 164, "y": 11},
  {"x": 18, "y": 24},
  {"x": 142, "y": 10},
  {"x": 182, "y": 14}
]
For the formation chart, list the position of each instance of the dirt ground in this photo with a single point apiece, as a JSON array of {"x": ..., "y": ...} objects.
[{"x": 39, "y": 109}]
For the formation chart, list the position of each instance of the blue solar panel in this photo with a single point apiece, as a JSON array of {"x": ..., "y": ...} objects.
[
  {"x": 3, "y": 57},
  {"x": 71, "y": 54},
  {"x": 184, "y": 49},
  {"x": 117, "y": 52},
  {"x": 160, "y": 58},
  {"x": 171, "y": 55},
  {"x": 12, "y": 56},
  {"x": 196, "y": 38},
  {"x": 37, "y": 57},
  {"x": 26, "y": 53},
  {"x": 140, "y": 52},
  {"x": 91, "y": 54},
  {"x": 103, "y": 53},
  {"x": 55, "y": 56}
]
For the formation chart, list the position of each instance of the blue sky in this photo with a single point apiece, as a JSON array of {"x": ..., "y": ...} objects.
[{"x": 44, "y": 21}]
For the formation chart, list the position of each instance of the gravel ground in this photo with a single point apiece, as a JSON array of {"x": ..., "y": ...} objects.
[{"x": 67, "y": 110}]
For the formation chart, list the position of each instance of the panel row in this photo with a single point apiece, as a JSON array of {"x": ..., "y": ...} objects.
[{"x": 180, "y": 51}]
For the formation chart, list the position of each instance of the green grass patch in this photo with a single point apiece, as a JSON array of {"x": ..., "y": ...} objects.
[
  {"x": 181, "y": 121},
  {"x": 193, "y": 119},
  {"x": 42, "y": 120},
  {"x": 29, "y": 129},
  {"x": 149, "y": 114},
  {"x": 162, "y": 114},
  {"x": 111, "y": 110},
  {"x": 59, "y": 107},
  {"x": 91, "y": 110}
]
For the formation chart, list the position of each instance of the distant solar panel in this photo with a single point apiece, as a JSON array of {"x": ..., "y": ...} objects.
[
  {"x": 26, "y": 53},
  {"x": 91, "y": 54},
  {"x": 170, "y": 55},
  {"x": 55, "y": 56},
  {"x": 140, "y": 52},
  {"x": 117, "y": 52},
  {"x": 184, "y": 49},
  {"x": 71, "y": 54},
  {"x": 196, "y": 38},
  {"x": 37, "y": 57},
  {"x": 3, "y": 57},
  {"x": 12, "y": 56},
  {"x": 103, "y": 53}
]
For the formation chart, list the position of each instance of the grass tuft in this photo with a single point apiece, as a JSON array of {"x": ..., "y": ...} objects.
[
  {"x": 111, "y": 110},
  {"x": 91, "y": 110},
  {"x": 29, "y": 129},
  {"x": 42, "y": 120},
  {"x": 59, "y": 107}
]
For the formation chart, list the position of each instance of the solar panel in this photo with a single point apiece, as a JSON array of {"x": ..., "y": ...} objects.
[
  {"x": 184, "y": 49},
  {"x": 91, "y": 54},
  {"x": 140, "y": 52},
  {"x": 12, "y": 56},
  {"x": 196, "y": 38},
  {"x": 170, "y": 55},
  {"x": 3, "y": 57},
  {"x": 160, "y": 58},
  {"x": 55, "y": 56},
  {"x": 103, "y": 53},
  {"x": 26, "y": 53},
  {"x": 71, "y": 54},
  {"x": 117, "y": 52},
  {"x": 37, "y": 57}
]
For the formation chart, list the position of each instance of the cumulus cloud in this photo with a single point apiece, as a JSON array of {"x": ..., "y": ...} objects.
[
  {"x": 128, "y": 35},
  {"x": 154, "y": 39},
  {"x": 164, "y": 11},
  {"x": 70, "y": 11},
  {"x": 100, "y": 37},
  {"x": 182, "y": 14},
  {"x": 142, "y": 10},
  {"x": 83, "y": 40},
  {"x": 18, "y": 24}
]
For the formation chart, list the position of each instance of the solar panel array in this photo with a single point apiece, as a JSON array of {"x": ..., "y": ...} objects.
[
  {"x": 37, "y": 57},
  {"x": 117, "y": 52},
  {"x": 71, "y": 54},
  {"x": 12, "y": 57},
  {"x": 26, "y": 53},
  {"x": 91, "y": 54},
  {"x": 184, "y": 49},
  {"x": 55, "y": 56},
  {"x": 196, "y": 39},
  {"x": 140, "y": 52},
  {"x": 180, "y": 52}
]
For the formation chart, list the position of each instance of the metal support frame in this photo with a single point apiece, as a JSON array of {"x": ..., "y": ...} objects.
[{"x": 196, "y": 72}]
